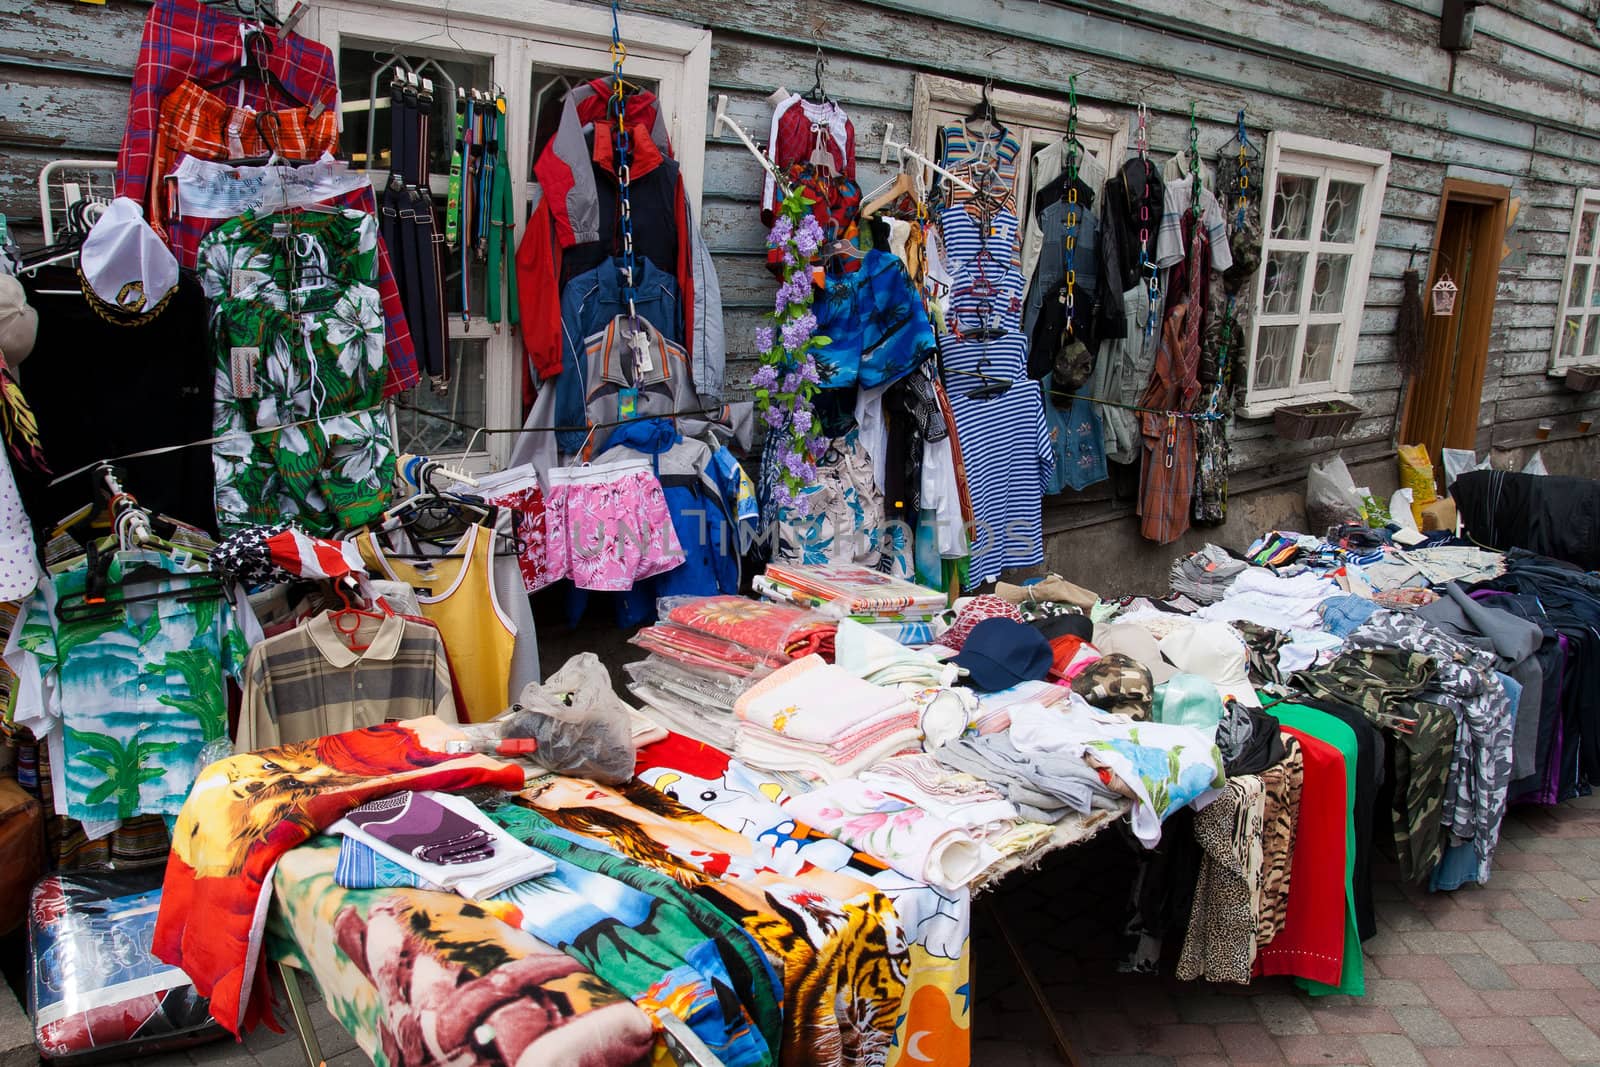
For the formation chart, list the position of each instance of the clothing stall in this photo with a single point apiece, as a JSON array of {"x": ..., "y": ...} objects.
[{"x": 273, "y": 689}]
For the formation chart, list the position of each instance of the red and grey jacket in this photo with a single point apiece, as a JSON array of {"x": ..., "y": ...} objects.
[{"x": 574, "y": 227}]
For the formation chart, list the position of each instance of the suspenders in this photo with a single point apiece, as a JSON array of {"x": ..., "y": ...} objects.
[{"x": 407, "y": 223}]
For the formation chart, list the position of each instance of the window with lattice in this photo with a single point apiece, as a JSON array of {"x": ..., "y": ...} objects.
[{"x": 1319, "y": 234}]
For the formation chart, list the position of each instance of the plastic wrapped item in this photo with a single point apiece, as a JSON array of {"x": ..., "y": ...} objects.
[
  {"x": 1400, "y": 510},
  {"x": 95, "y": 992},
  {"x": 1331, "y": 498},
  {"x": 759, "y": 625},
  {"x": 694, "y": 648},
  {"x": 580, "y": 725},
  {"x": 714, "y": 689},
  {"x": 1457, "y": 461}
]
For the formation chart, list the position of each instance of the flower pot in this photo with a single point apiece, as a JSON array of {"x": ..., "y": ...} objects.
[
  {"x": 1583, "y": 379},
  {"x": 1543, "y": 431},
  {"x": 1327, "y": 418},
  {"x": 1584, "y": 422}
]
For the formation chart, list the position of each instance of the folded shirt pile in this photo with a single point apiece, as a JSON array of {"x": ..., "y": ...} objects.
[
  {"x": 445, "y": 841},
  {"x": 1280, "y": 603},
  {"x": 1204, "y": 576},
  {"x": 959, "y": 798},
  {"x": 994, "y": 709},
  {"x": 822, "y": 721},
  {"x": 1043, "y": 787}
]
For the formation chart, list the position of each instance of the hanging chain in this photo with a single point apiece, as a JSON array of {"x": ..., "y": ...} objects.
[
  {"x": 1069, "y": 277},
  {"x": 624, "y": 159},
  {"x": 1244, "y": 169},
  {"x": 1194, "y": 161},
  {"x": 1147, "y": 269}
]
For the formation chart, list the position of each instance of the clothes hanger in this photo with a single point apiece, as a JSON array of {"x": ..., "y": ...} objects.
[
  {"x": 257, "y": 47},
  {"x": 249, "y": 10},
  {"x": 984, "y": 113},
  {"x": 353, "y": 615},
  {"x": 817, "y": 94}
]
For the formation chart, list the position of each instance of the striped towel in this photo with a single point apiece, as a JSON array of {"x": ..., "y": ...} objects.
[{"x": 360, "y": 867}]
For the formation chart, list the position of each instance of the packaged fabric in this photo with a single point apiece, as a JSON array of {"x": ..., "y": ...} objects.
[
  {"x": 692, "y": 648},
  {"x": 95, "y": 990},
  {"x": 904, "y": 836},
  {"x": 757, "y": 625},
  {"x": 851, "y": 590},
  {"x": 1416, "y": 474},
  {"x": 444, "y": 840}
]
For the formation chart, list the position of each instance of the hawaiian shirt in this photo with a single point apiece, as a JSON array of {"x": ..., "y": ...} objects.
[{"x": 133, "y": 700}]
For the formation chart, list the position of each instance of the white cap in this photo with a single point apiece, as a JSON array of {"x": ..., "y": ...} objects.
[
  {"x": 124, "y": 262},
  {"x": 1216, "y": 653},
  {"x": 19, "y": 323}
]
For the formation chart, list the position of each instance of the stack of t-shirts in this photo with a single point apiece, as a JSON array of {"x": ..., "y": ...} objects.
[
  {"x": 904, "y": 835},
  {"x": 1267, "y": 600},
  {"x": 910, "y": 627},
  {"x": 994, "y": 709},
  {"x": 1205, "y": 576},
  {"x": 774, "y": 629},
  {"x": 849, "y": 590},
  {"x": 444, "y": 840},
  {"x": 959, "y": 798},
  {"x": 818, "y": 719},
  {"x": 696, "y": 703},
  {"x": 1043, "y": 787}
]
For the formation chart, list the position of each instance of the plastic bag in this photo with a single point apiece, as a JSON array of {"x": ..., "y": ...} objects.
[
  {"x": 1535, "y": 465},
  {"x": 1400, "y": 509},
  {"x": 582, "y": 727},
  {"x": 96, "y": 993},
  {"x": 1416, "y": 474},
  {"x": 1331, "y": 497},
  {"x": 1373, "y": 512},
  {"x": 1457, "y": 461}
]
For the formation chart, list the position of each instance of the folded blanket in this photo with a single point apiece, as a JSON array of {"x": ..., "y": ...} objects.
[
  {"x": 444, "y": 840},
  {"x": 246, "y": 811},
  {"x": 899, "y": 833},
  {"x": 823, "y": 705}
]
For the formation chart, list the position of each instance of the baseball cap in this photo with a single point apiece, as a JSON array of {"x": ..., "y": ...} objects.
[
  {"x": 1137, "y": 643},
  {"x": 1189, "y": 700},
  {"x": 1216, "y": 653},
  {"x": 1117, "y": 683},
  {"x": 19, "y": 323},
  {"x": 1001, "y": 653},
  {"x": 1054, "y": 626}
]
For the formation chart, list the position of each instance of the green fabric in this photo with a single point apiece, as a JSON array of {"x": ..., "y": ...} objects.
[
  {"x": 307, "y": 440},
  {"x": 502, "y": 224},
  {"x": 1324, "y": 727}
]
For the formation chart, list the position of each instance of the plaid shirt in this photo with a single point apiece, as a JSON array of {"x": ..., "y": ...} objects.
[{"x": 184, "y": 40}]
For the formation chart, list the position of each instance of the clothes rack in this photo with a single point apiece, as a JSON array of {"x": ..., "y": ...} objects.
[{"x": 744, "y": 138}]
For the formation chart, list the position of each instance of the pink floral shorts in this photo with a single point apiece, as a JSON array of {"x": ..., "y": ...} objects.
[{"x": 607, "y": 526}]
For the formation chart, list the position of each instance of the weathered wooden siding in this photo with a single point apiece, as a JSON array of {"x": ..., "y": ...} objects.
[{"x": 1517, "y": 110}]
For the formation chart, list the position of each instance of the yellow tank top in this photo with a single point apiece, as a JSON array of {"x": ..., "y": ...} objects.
[{"x": 458, "y": 596}]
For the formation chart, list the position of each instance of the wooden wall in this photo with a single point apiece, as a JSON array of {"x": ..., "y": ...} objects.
[{"x": 1515, "y": 110}]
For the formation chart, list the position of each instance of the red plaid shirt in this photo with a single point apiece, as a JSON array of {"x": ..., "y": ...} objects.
[{"x": 187, "y": 40}]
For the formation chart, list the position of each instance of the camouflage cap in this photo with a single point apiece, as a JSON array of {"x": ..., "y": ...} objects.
[{"x": 1117, "y": 683}]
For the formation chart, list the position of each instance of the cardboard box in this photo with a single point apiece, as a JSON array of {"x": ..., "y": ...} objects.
[{"x": 1438, "y": 515}]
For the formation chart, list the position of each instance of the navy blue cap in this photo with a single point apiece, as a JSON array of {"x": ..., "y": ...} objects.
[{"x": 1001, "y": 653}]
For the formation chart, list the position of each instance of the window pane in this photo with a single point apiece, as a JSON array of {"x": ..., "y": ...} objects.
[
  {"x": 463, "y": 403},
  {"x": 1578, "y": 292},
  {"x": 363, "y": 107},
  {"x": 1291, "y": 207},
  {"x": 1316, "y": 361},
  {"x": 1587, "y": 233},
  {"x": 1274, "y": 350},
  {"x": 1569, "y": 336},
  {"x": 1329, "y": 282},
  {"x": 1591, "y": 340},
  {"x": 1281, "y": 294},
  {"x": 1341, "y": 212}
]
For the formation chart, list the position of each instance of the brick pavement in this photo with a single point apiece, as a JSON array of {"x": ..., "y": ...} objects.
[{"x": 1502, "y": 976}]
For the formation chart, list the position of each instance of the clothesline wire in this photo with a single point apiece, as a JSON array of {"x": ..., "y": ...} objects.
[
  {"x": 402, "y": 405},
  {"x": 1199, "y": 416}
]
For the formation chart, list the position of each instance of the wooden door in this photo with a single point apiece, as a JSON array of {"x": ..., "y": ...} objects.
[{"x": 1443, "y": 402}]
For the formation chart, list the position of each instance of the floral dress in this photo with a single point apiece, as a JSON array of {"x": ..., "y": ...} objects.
[{"x": 298, "y": 332}]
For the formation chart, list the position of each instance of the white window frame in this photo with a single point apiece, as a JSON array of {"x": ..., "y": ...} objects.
[
  {"x": 516, "y": 35},
  {"x": 1581, "y": 306},
  {"x": 1327, "y": 161},
  {"x": 1036, "y": 121}
]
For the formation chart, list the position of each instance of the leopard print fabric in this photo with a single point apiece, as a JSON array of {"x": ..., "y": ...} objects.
[{"x": 1282, "y": 782}]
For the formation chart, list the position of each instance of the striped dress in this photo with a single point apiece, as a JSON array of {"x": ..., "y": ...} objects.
[{"x": 1004, "y": 447}]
